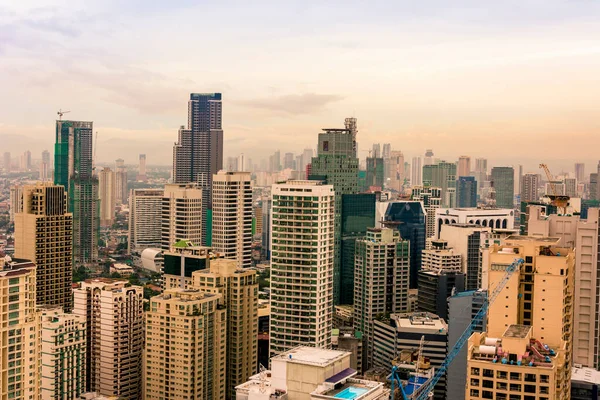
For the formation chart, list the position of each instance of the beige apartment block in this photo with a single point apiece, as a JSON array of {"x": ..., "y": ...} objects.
[
  {"x": 145, "y": 211},
  {"x": 185, "y": 346},
  {"x": 108, "y": 196},
  {"x": 181, "y": 215},
  {"x": 239, "y": 290},
  {"x": 44, "y": 235},
  {"x": 113, "y": 311}
]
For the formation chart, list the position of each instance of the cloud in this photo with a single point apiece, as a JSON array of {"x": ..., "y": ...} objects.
[{"x": 295, "y": 104}]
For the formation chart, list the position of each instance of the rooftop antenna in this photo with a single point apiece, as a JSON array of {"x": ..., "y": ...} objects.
[{"x": 61, "y": 113}]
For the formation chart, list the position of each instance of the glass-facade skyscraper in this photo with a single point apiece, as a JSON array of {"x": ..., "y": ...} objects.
[
  {"x": 466, "y": 191},
  {"x": 503, "y": 179}
]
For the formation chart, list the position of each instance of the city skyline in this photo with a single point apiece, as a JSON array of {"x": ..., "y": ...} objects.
[{"x": 511, "y": 79}]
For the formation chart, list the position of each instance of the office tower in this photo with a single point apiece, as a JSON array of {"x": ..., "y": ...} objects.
[
  {"x": 464, "y": 166},
  {"x": 44, "y": 235},
  {"x": 417, "y": 172},
  {"x": 112, "y": 310},
  {"x": 387, "y": 150},
  {"x": 181, "y": 214},
  {"x": 570, "y": 187},
  {"x": 288, "y": 161},
  {"x": 19, "y": 326},
  {"x": 376, "y": 152},
  {"x": 107, "y": 195},
  {"x": 404, "y": 332},
  {"x": 276, "y": 161},
  {"x": 185, "y": 346},
  {"x": 580, "y": 172},
  {"x": 145, "y": 219},
  {"x": 301, "y": 285},
  {"x": 63, "y": 354},
  {"x": 121, "y": 191},
  {"x": 181, "y": 261},
  {"x": 336, "y": 164},
  {"x": 431, "y": 197},
  {"x": 462, "y": 308},
  {"x": 381, "y": 280},
  {"x": 440, "y": 276},
  {"x": 7, "y": 161},
  {"x": 73, "y": 169},
  {"x": 45, "y": 166},
  {"x": 529, "y": 187},
  {"x": 467, "y": 240},
  {"x": 394, "y": 172},
  {"x": 466, "y": 192},
  {"x": 532, "y": 316},
  {"x": 375, "y": 177},
  {"x": 428, "y": 160},
  {"x": 503, "y": 179},
  {"x": 442, "y": 175},
  {"x": 232, "y": 216},
  {"x": 409, "y": 218},
  {"x": 358, "y": 214},
  {"x": 239, "y": 290}
]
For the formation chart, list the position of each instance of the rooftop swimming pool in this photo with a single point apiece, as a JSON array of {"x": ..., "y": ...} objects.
[{"x": 351, "y": 393}]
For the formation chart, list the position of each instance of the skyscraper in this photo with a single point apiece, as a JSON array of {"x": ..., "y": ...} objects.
[
  {"x": 7, "y": 161},
  {"x": 417, "y": 172},
  {"x": 232, "y": 216},
  {"x": 529, "y": 187},
  {"x": 441, "y": 175},
  {"x": 387, "y": 150},
  {"x": 302, "y": 253},
  {"x": 185, "y": 346},
  {"x": 198, "y": 154},
  {"x": 375, "y": 176},
  {"x": 239, "y": 290},
  {"x": 112, "y": 310},
  {"x": 336, "y": 164},
  {"x": 107, "y": 196},
  {"x": 73, "y": 170},
  {"x": 464, "y": 166},
  {"x": 394, "y": 173},
  {"x": 145, "y": 213},
  {"x": 45, "y": 166},
  {"x": 503, "y": 179},
  {"x": 376, "y": 153},
  {"x": 44, "y": 235},
  {"x": 428, "y": 160},
  {"x": 122, "y": 193},
  {"x": 466, "y": 192},
  {"x": 381, "y": 280},
  {"x": 181, "y": 214},
  {"x": 288, "y": 161},
  {"x": 580, "y": 172}
]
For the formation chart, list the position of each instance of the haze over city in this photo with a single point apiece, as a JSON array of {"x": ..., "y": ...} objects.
[{"x": 429, "y": 75}]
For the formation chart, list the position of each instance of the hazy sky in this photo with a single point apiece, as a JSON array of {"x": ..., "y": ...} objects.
[{"x": 507, "y": 80}]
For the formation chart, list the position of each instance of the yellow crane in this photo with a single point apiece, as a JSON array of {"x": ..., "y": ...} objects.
[{"x": 558, "y": 200}]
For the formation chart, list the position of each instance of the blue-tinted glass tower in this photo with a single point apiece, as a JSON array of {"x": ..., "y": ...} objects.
[{"x": 466, "y": 188}]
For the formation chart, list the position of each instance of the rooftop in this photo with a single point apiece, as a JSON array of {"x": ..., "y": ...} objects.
[
  {"x": 585, "y": 374},
  {"x": 420, "y": 321},
  {"x": 517, "y": 331},
  {"x": 311, "y": 355},
  {"x": 521, "y": 238}
]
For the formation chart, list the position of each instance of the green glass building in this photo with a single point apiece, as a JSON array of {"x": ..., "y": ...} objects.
[{"x": 441, "y": 175}]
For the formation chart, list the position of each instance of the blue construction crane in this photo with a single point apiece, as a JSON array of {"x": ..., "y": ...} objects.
[{"x": 427, "y": 388}]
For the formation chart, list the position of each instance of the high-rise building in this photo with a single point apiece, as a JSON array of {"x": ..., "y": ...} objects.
[
  {"x": 529, "y": 187},
  {"x": 394, "y": 173},
  {"x": 580, "y": 172},
  {"x": 466, "y": 192},
  {"x": 387, "y": 150},
  {"x": 239, "y": 290},
  {"x": 45, "y": 166},
  {"x": 381, "y": 280},
  {"x": 593, "y": 187},
  {"x": 376, "y": 152},
  {"x": 570, "y": 187},
  {"x": 181, "y": 214},
  {"x": 182, "y": 261},
  {"x": 44, "y": 235},
  {"x": 431, "y": 197},
  {"x": 185, "y": 346},
  {"x": 307, "y": 156},
  {"x": 417, "y": 172},
  {"x": 198, "y": 154},
  {"x": 27, "y": 157},
  {"x": 232, "y": 216},
  {"x": 440, "y": 276},
  {"x": 63, "y": 354},
  {"x": 336, "y": 164},
  {"x": 20, "y": 362},
  {"x": 73, "y": 170},
  {"x": 531, "y": 320},
  {"x": 375, "y": 176},
  {"x": 288, "y": 161},
  {"x": 142, "y": 169},
  {"x": 275, "y": 162},
  {"x": 7, "y": 161},
  {"x": 121, "y": 191},
  {"x": 428, "y": 160},
  {"x": 301, "y": 284},
  {"x": 503, "y": 179},
  {"x": 145, "y": 216},
  {"x": 585, "y": 384},
  {"x": 107, "y": 195},
  {"x": 113, "y": 314},
  {"x": 464, "y": 166},
  {"x": 441, "y": 175}
]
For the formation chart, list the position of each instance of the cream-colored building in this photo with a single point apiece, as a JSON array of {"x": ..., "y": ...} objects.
[
  {"x": 63, "y": 354},
  {"x": 302, "y": 242},
  {"x": 232, "y": 216},
  {"x": 539, "y": 297},
  {"x": 309, "y": 373},
  {"x": 44, "y": 234},
  {"x": 145, "y": 219},
  {"x": 182, "y": 215},
  {"x": 113, "y": 311},
  {"x": 239, "y": 290},
  {"x": 19, "y": 331},
  {"x": 107, "y": 195},
  {"x": 185, "y": 346}
]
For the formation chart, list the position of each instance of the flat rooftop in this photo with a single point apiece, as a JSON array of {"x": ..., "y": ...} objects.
[
  {"x": 311, "y": 355},
  {"x": 517, "y": 331},
  {"x": 420, "y": 321},
  {"x": 585, "y": 374},
  {"x": 521, "y": 238}
]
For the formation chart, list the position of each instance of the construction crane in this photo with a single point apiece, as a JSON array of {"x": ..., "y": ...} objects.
[
  {"x": 427, "y": 388},
  {"x": 61, "y": 113},
  {"x": 557, "y": 200}
]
